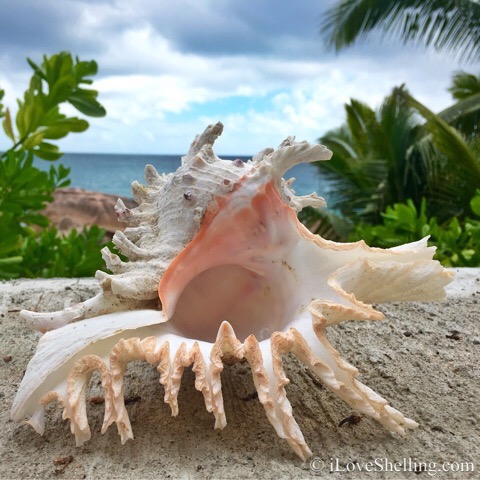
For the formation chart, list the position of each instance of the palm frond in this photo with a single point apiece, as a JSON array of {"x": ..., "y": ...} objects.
[
  {"x": 456, "y": 173},
  {"x": 394, "y": 155},
  {"x": 368, "y": 169},
  {"x": 448, "y": 139},
  {"x": 464, "y": 85},
  {"x": 464, "y": 107},
  {"x": 465, "y": 114},
  {"x": 447, "y": 25},
  {"x": 325, "y": 223}
]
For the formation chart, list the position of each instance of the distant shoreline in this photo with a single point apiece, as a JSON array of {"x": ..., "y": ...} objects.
[{"x": 114, "y": 173}]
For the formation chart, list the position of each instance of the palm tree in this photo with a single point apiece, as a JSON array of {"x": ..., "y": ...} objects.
[
  {"x": 373, "y": 164},
  {"x": 465, "y": 114},
  {"x": 447, "y": 25},
  {"x": 404, "y": 151},
  {"x": 451, "y": 157}
]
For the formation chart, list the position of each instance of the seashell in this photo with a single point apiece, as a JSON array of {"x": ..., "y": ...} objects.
[{"x": 220, "y": 270}]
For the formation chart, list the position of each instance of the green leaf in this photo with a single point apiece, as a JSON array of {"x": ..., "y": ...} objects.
[
  {"x": 36, "y": 85},
  {"x": 464, "y": 85},
  {"x": 47, "y": 151},
  {"x": 84, "y": 101},
  {"x": 33, "y": 140},
  {"x": 451, "y": 26},
  {"x": 85, "y": 69},
  {"x": 64, "y": 127},
  {"x": 10, "y": 243},
  {"x": 2, "y": 113},
  {"x": 475, "y": 204},
  {"x": 10, "y": 261},
  {"x": 461, "y": 108},
  {"x": 7, "y": 125},
  {"x": 37, "y": 69},
  {"x": 61, "y": 90},
  {"x": 29, "y": 115},
  {"x": 57, "y": 66}
]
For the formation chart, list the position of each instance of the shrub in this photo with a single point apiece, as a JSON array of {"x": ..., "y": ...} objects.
[
  {"x": 457, "y": 242},
  {"x": 29, "y": 245}
]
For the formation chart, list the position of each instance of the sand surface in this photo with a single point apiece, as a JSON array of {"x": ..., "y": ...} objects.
[{"x": 423, "y": 359}]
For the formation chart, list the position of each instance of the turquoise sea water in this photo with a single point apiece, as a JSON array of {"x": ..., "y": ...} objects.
[{"x": 113, "y": 173}]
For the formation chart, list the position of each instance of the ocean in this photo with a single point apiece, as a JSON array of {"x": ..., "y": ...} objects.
[{"x": 113, "y": 173}]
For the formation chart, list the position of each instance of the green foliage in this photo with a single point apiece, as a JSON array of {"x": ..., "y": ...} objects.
[
  {"x": 398, "y": 178},
  {"x": 452, "y": 165},
  {"x": 447, "y": 25},
  {"x": 24, "y": 188},
  {"x": 74, "y": 255},
  {"x": 464, "y": 85},
  {"x": 457, "y": 242},
  {"x": 403, "y": 172},
  {"x": 58, "y": 80},
  {"x": 402, "y": 223},
  {"x": 29, "y": 246},
  {"x": 390, "y": 155},
  {"x": 465, "y": 114},
  {"x": 373, "y": 164},
  {"x": 324, "y": 222}
]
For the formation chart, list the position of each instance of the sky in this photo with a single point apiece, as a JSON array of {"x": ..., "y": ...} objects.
[{"x": 169, "y": 68}]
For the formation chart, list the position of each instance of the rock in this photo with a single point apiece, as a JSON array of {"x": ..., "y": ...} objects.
[{"x": 76, "y": 208}]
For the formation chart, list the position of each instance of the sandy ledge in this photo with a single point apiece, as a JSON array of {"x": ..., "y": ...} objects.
[{"x": 412, "y": 359}]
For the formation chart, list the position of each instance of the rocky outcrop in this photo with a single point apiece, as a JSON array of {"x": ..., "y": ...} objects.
[{"x": 76, "y": 208}]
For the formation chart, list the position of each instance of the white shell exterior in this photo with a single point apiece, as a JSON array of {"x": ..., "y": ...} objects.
[{"x": 220, "y": 270}]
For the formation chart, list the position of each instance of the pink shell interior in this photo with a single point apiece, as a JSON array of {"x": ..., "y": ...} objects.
[{"x": 233, "y": 271}]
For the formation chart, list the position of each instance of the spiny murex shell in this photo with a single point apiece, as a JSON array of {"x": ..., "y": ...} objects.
[{"x": 220, "y": 270}]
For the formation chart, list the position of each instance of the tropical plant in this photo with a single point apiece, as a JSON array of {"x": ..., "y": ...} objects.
[
  {"x": 457, "y": 242},
  {"x": 370, "y": 168},
  {"x": 403, "y": 158},
  {"x": 57, "y": 80},
  {"x": 26, "y": 234},
  {"x": 447, "y": 25},
  {"x": 465, "y": 114},
  {"x": 402, "y": 151},
  {"x": 49, "y": 254},
  {"x": 325, "y": 222}
]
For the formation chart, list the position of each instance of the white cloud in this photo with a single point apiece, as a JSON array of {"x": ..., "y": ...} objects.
[
  {"x": 149, "y": 81},
  {"x": 312, "y": 106}
]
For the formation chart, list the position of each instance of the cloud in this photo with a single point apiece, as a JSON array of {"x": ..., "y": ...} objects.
[{"x": 167, "y": 68}]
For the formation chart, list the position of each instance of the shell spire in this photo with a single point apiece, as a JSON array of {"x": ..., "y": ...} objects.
[
  {"x": 220, "y": 270},
  {"x": 204, "y": 141}
]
